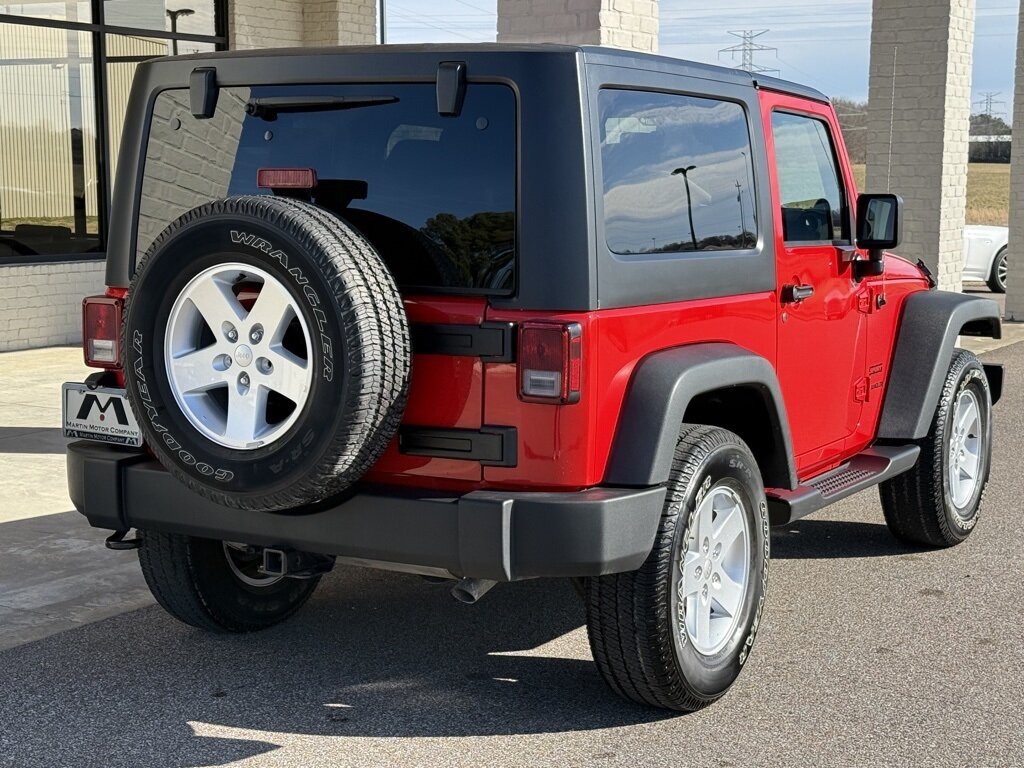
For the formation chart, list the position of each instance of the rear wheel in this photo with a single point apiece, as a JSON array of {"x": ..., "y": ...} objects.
[
  {"x": 676, "y": 632},
  {"x": 937, "y": 503},
  {"x": 997, "y": 279},
  {"x": 217, "y": 586}
]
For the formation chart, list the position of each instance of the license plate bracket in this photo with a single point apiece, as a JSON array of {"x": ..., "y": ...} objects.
[{"x": 101, "y": 413}]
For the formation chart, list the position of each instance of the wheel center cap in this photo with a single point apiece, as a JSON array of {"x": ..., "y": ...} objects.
[{"x": 243, "y": 355}]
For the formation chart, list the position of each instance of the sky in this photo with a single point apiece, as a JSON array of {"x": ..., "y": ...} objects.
[{"x": 827, "y": 48}]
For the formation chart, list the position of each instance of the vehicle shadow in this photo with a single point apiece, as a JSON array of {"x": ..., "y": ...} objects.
[
  {"x": 32, "y": 440},
  {"x": 374, "y": 654},
  {"x": 812, "y": 539}
]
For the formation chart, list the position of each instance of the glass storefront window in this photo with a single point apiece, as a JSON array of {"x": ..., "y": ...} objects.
[
  {"x": 48, "y": 165},
  {"x": 186, "y": 17},
  {"x": 62, "y": 117},
  {"x": 80, "y": 11}
]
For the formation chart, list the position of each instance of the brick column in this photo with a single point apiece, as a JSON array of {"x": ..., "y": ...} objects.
[
  {"x": 1015, "y": 279},
  {"x": 619, "y": 23},
  {"x": 264, "y": 23},
  {"x": 927, "y": 44},
  {"x": 290, "y": 23}
]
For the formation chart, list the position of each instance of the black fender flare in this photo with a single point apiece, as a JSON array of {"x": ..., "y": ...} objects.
[
  {"x": 660, "y": 390},
  {"x": 929, "y": 325}
]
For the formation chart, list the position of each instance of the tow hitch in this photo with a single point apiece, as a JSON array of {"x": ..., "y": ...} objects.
[
  {"x": 117, "y": 541},
  {"x": 293, "y": 564}
]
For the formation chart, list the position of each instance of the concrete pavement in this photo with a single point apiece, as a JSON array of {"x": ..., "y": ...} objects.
[
  {"x": 54, "y": 572},
  {"x": 31, "y": 446},
  {"x": 871, "y": 654}
]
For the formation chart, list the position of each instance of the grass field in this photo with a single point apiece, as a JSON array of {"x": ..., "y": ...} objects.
[{"x": 988, "y": 192}]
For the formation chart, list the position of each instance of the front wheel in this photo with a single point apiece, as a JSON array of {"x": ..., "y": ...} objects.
[
  {"x": 676, "y": 632},
  {"x": 217, "y": 586},
  {"x": 937, "y": 503}
]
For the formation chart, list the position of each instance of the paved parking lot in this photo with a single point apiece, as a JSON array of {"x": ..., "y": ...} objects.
[{"x": 872, "y": 654}]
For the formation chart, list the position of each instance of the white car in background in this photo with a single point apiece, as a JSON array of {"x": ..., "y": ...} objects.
[{"x": 985, "y": 255}]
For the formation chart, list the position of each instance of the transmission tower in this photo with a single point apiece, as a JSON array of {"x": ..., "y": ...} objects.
[
  {"x": 746, "y": 49},
  {"x": 989, "y": 102}
]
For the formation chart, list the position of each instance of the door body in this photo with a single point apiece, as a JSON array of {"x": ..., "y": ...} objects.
[{"x": 822, "y": 310}]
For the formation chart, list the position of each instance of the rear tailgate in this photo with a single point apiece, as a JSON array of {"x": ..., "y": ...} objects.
[
  {"x": 446, "y": 389},
  {"x": 434, "y": 193}
]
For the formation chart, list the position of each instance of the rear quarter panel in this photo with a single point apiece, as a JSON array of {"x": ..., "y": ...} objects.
[{"x": 569, "y": 445}]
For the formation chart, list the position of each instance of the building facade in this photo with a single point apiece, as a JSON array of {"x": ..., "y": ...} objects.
[{"x": 65, "y": 72}]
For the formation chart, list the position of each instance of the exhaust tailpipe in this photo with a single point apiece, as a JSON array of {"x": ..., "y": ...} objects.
[{"x": 470, "y": 591}]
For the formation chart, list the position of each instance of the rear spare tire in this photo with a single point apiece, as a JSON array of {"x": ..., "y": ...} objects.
[{"x": 266, "y": 352}]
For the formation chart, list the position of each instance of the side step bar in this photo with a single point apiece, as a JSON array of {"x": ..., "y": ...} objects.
[{"x": 868, "y": 468}]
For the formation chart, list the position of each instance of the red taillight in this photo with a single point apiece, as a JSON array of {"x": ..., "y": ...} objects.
[
  {"x": 550, "y": 362},
  {"x": 286, "y": 178},
  {"x": 101, "y": 331}
]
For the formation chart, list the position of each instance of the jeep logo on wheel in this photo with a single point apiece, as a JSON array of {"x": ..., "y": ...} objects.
[{"x": 91, "y": 400}]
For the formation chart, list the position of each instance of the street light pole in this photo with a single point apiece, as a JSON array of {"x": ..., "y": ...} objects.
[
  {"x": 739, "y": 199},
  {"x": 684, "y": 172},
  {"x": 383, "y": 25},
  {"x": 174, "y": 26}
]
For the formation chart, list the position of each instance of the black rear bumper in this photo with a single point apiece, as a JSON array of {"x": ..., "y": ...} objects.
[{"x": 503, "y": 536}]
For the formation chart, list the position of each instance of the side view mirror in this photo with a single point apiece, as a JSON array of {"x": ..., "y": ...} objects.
[{"x": 879, "y": 227}]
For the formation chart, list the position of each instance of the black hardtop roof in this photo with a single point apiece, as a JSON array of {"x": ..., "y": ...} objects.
[{"x": 592, "y": 54}]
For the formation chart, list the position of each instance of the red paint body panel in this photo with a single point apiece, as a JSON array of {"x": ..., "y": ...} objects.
[
  {"x": 823, "y": 339},
  {"x": 833, "y": 348},
  {"x": 569, "y": 445},
  {"x": 901, "y": 279},
  {"x": 444, "y": 391}
]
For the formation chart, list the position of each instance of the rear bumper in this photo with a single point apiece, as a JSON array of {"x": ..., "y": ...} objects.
[{"x": 503, "y": 536}]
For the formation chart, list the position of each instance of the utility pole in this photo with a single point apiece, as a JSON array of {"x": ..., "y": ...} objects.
[
  {"x": 747, "y": 48},
  {"x": 989, "y": 102}
]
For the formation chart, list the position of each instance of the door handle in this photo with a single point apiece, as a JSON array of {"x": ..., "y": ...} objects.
[{"x": 796, "y": 293}]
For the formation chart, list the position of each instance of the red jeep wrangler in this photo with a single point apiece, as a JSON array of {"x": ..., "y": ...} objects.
[{"x": 494, "y": 313}]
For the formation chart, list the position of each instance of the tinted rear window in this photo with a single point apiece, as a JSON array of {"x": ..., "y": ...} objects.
[
  {"x": 434, "y": 194},
  {"x": 678, "y": 173}
]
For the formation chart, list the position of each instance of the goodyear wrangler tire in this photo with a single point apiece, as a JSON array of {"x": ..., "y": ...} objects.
[
  {"x": 266, "y": 352},
  {"x": 676, "y": 632}
]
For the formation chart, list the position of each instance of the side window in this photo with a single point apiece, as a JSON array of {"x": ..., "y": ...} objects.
[
  {"x": 812, "y": 195},
  {"x": 677, "y": 173}
]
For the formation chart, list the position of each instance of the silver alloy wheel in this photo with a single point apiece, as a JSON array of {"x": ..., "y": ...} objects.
[
  {"x": 713, "y": 572},
  {"x": 965, "y": 445},
  {"x": 1001, "y": 268},
  {"x": 246, "y": 356},
  {"x": 245, "y": 564}
]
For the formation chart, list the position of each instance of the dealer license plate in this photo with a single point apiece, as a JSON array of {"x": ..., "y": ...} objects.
[{"x": 102, "y": 414}]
